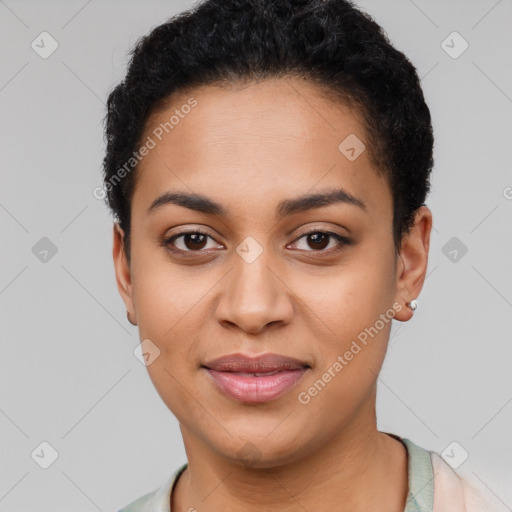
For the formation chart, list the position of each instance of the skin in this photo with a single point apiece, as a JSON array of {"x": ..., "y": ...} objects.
[{"x": 248, "y": 148}]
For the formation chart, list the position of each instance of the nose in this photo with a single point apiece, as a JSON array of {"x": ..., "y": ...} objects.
[{"x": 254, "y": 297}]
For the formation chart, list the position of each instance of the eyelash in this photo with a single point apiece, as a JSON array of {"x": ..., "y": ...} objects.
[{"x": 168, "y": 242}]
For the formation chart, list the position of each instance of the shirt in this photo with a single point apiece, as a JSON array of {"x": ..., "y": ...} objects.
[{"x": 433, "y": 487}]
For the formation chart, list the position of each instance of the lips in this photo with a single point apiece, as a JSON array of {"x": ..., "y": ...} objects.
[
  {"x": 255, "y": 379},
  {"x": 260, "y": 364}
]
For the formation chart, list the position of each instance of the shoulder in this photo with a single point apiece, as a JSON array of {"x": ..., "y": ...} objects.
[
  {"x": 157, "y": 500},
  {"x": 453, "y": 491},
  {"x": 144, "y": 503},
  {"x": 435, "y": 486}
]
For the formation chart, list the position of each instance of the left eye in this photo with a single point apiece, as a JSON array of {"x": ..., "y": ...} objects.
[{"x": 321, "y": 239}]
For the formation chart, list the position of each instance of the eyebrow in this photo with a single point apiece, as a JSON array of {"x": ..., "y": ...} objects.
[{"x": 203, "y": 204}]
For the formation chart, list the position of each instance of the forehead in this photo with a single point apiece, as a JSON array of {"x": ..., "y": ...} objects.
[{"x": 258, "y": 142}]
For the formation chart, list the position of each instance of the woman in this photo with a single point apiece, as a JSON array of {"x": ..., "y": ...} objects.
[{"x": 267, "y": 165}]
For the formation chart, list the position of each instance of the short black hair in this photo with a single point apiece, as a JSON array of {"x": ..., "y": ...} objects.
[{"x": 328, "y": 42}]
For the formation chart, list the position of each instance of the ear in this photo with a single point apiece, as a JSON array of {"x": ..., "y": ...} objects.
[
  {"x": 412, "y": 262},
  {"x": 123, "y": 275}
]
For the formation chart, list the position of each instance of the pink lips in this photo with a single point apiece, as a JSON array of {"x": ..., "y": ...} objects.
[{"x": 255, "y": 379}]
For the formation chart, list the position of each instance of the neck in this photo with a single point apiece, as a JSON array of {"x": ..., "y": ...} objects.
[{"x": 358, "y": 469}]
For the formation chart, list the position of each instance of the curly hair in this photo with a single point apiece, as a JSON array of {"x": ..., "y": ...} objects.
[{"x": 328, "y": 42}]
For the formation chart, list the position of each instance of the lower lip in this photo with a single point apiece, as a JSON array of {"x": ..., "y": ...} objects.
[{"x": 256, "y": 389}]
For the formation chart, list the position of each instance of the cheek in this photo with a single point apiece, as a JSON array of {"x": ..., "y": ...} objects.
[
  {"x": 164, "y": 294},
  {"x": 167, "y": 306},
  {"x": 352, "y": 310},
  {"x": 351, "y": 298},
  {"x": 350, "y": 348}
]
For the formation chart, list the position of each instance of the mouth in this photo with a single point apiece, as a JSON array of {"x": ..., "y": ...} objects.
[{"x": 255, "y": 379}]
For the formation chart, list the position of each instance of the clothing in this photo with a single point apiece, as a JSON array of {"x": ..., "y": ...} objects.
[{"x": 433, "y": 487}]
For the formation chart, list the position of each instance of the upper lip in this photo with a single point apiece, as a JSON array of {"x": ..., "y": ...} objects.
[{"x": 258, "y": 364}]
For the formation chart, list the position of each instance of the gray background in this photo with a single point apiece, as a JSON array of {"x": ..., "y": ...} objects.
[{"x": 68, "y": 373}]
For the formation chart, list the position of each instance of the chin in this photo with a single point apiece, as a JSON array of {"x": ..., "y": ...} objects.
[{"x": 257, "y": 449}]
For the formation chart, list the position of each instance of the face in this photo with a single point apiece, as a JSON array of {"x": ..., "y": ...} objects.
[{"x": 254, "y": 268}]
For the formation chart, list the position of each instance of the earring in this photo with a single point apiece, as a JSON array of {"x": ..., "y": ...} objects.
[
  {"x": 129, "y": 319},
  {"x": 413, "y": 305}
]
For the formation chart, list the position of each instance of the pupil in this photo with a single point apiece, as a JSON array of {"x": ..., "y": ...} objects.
[
  {"x": 319, "y": 238},
  {"x": 195, "y": 238}
]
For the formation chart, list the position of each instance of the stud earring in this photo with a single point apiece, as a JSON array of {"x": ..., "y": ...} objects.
[{"x": 413, "y": 305}]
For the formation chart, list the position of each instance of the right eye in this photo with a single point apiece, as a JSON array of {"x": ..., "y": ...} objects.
[{"x": 190, "y": 241}]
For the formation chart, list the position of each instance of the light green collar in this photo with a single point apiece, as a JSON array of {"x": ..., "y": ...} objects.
[{"x": 421, "y": 478}]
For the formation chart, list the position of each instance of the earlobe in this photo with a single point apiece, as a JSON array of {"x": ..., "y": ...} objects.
[
  {"x": 129, "y": 318},
  {"x": 412, "y": 266},
  {"x": 123, "y": 273}
]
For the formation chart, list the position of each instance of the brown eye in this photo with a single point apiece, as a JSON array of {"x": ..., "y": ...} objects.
[
  {"x": 188, "y": 241},
  {"x": 317, "y": 241},
  {"x": 194, "y": 241}
]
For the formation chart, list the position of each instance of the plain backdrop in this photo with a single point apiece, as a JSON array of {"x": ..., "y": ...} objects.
[{"x": 68, "y": 375}]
